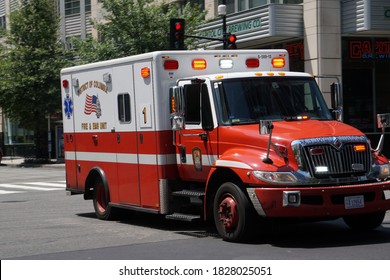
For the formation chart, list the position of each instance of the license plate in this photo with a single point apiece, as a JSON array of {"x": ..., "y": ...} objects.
[{"x": 353, "y": 202}]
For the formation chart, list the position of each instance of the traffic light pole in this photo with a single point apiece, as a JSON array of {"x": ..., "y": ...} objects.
[{"x": 222, "y": 12}]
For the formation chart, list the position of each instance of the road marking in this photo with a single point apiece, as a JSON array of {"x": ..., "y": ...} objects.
[
  {"x": 14, "y": 186},
  {"x": 54, "y": 184},
  {"x": 8, "y": 192}
]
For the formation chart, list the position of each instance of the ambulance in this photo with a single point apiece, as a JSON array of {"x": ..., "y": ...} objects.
[{"x": 229, "y": 136}]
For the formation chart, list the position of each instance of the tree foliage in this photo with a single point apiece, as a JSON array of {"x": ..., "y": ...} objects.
[
  {"x": 135, "y": 26},
  {"x": 30, "y": 65}
]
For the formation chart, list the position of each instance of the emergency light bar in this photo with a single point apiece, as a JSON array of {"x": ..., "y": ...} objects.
[
  {"x": 199, "y": 64},
  {"x": 278, "y": 62},
  {"x": 226, "y": 64},
  {"x": 252, "y": 63},
  {"x": 171, "y": 64}
]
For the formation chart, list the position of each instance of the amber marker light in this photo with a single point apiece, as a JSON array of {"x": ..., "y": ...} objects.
[
  {"x": 145, "y": 72},
  {"x": 359, "y": 148}
]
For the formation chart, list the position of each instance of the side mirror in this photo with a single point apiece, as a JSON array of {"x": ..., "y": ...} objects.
[
  {"x": 265, "y": 127},
  {"x": 337, "y": 101},
  {"x": 383, "y": 121},
  {"x": 177, "y": 104}
]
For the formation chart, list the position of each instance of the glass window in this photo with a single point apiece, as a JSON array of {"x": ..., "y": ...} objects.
[
  {"x": 87, "y": 5},
  {"x": 257, "y": 3},
  {"x": 14, "y": 134},
  {"x": 192, "y": 103},
  {"x": 72, "y": 7},
  {"x": 2, "y": 22},
  {"x": 233, "y": 6},
  {"x": 250, "y": 100},
  {"x": 124, "y": 115}
]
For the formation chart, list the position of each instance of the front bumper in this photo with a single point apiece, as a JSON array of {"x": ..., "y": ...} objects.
[{"x": 319, "y": 201}]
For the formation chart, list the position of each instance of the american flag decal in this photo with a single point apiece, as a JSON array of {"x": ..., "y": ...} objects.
[{"x": 92, "y": 105}]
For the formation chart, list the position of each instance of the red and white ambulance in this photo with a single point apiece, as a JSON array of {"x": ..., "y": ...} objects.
[{"x": 226, "y": 135}]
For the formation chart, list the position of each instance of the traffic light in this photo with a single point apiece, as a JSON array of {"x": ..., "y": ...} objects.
[
  {"x": 176, "y": 34},
  {"x": 231, "y": 41}
]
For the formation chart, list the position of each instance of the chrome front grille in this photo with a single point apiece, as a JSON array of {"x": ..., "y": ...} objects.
[{"x": 334, "y": 157}]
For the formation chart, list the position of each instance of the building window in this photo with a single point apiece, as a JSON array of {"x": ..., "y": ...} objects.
[
  {"x": 233, "y": 6},
  {"x": 2, "y": 22},
  {"x": 72, "y": 7},
  {"x": 14, "y": 134},
  {"x": 87, "y": 5}
]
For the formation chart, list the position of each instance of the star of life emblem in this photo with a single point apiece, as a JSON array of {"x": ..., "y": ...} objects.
[{"x": 68, "y": 106}]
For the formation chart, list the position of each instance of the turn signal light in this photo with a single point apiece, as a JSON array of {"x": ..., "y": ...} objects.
[{"x": 359, "y": 148}]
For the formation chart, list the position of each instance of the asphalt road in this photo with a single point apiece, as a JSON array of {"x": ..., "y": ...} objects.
[{"x": 48, "y": 225}]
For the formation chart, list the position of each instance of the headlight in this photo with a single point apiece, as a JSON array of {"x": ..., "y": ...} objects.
[
  {"x": 276, "y": 177},
  {"x": 384, "y": 171},
  {"x": 381, "y": 171}
]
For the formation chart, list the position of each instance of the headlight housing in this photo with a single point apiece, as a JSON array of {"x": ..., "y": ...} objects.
[
  {"x": 382, "y": 171},
  {"x": 276, "y": 177}
]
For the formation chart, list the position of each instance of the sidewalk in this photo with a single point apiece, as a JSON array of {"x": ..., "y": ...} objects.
[{"x": 20, "y": 162}]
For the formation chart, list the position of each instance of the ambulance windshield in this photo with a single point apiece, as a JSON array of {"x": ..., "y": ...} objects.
[{"x": 248, "y": 100}]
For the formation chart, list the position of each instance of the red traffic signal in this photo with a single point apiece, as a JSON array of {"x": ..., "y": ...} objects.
[
  {"x": 232, "y": 39},
  {"x": 178, "y": 26},
  {"x": 176, "y": 34}
]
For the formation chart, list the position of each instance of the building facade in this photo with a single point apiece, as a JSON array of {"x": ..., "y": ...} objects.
[{"x": 339, "y": 39}]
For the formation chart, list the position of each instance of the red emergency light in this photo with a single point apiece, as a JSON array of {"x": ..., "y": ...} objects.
[
  {"x": 171, "y": 64},
  {"x": 252, "y": 63},
  {"x": 65, "y": 83}
]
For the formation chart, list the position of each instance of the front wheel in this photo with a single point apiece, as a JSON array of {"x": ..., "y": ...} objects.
[
  {"x": 233, "y": 215},
  {"x": 101, "y": 201},
  {"x": 365, "y": 221}
]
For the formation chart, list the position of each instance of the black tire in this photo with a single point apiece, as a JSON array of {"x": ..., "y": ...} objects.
[
  {"x": 365, "y": 222},
  {"x": 233, "y": 213},
  {"x": 101, "y": 201}
]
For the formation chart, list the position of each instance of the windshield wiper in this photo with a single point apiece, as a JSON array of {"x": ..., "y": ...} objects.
[{"x": 243, "y": 121}]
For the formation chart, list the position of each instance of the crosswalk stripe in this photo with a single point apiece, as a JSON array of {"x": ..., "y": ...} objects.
[
  {"x": 57, "y": 185},
  {"x": 13, "y": 186},
  {"x": 8, "y": 192}
]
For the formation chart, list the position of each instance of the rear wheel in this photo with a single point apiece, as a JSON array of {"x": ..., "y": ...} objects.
[
  {"x": 233, "y": 214},
  {"x": 101, "y": 201},
  {"x": 365, "y": 221}
]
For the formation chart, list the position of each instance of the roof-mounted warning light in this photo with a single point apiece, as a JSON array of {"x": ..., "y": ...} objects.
[
  {"x": 278, "y": 62},
  {"x": 199, "y": 64},
  {"x": 252, "y": 63},
  {"x": 171, "y": 64},
  {"x": 65, "y": 83}
]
